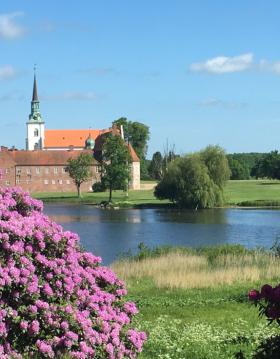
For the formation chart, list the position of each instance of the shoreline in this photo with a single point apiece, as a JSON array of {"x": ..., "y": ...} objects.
[{"x": 125, "y": 205}]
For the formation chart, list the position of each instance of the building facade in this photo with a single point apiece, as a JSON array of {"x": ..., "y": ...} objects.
[{"x": 41, "y": 167}]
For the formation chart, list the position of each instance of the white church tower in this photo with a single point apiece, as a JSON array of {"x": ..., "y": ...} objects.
[{"x": 35, "y": 124}]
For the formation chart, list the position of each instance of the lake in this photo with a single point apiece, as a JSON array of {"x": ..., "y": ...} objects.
[{"x": 110, "y": 233}]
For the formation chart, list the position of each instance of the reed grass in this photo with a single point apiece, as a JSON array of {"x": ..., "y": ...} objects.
[{"x": 187, "y": 271}]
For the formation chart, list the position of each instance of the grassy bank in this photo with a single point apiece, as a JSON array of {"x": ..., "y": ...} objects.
[
  {"x": 253, "y": 193},
  {"x": 193, "y": 303},
  {"x": 243, "y": 193}
]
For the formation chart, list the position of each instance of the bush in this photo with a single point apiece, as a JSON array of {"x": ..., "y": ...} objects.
[
  {"x": 196, "y": 180},
  {"x": 55, "y": 298},
  {"x": 98, "y": 187}
]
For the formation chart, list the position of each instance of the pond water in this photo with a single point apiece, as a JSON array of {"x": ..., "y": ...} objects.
[{"x": 110, "y": 233}]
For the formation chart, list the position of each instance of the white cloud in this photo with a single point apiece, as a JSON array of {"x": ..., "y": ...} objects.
[
  {"x": 72, "y": 96},
  {"x": 9, "y": 29},
  {"x": 7, "y": 72},
  {"x": 215, "y": 102},
  {"x": 223, "y": 64},
  {"x": 270, "y": 66},
  {"x": 79, "y": 96}
]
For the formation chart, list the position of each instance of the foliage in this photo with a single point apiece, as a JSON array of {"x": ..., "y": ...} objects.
[
  {"x": 216, "y": 162},
  {"x": 174, "y": 338},
  {"x": 197, "y": 180},
  {"x": 239, "y": 170},
  {"x": 137, "y": 134},
  {"x": 98, "y": 187},
  {"x": 156, "y": 166},
  {"x": 55, "y": 298},
  {"x": 248, "y": 160},
  {"x": 268, "y": 166},
  {"x": 212, "y": 253},
  {"x": 198, "y": 323},
  {"x": 268, "y": 302},
  {"x": 116, "y": 160},
  {"x": 79, "y": 169}
]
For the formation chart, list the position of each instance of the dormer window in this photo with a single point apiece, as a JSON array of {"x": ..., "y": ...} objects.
[{"x": 36, "y": 132}]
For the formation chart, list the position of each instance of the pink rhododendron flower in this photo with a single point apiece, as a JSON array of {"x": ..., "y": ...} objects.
[{"x": 56, "y": 298}]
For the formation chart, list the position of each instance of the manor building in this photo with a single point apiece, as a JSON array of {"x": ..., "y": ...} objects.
[{"x": 41, "y": 167}]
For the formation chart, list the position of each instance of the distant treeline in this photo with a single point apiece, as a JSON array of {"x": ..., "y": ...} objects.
[{"x": 243, "y": 166}]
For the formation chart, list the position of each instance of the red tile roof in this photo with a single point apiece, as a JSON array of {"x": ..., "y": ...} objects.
[
  {"x": 67, "y": 138},
  {"x": 43, "y": 158},
  {"x": 133, "y": 154}
]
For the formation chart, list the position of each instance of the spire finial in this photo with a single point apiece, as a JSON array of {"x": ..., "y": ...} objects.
[{"x": 35, "y": 95}]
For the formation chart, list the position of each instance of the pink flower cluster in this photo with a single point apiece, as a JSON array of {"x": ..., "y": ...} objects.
[
  {"x": 268, "y": 300},
  {"x": 55, "y": 298}
]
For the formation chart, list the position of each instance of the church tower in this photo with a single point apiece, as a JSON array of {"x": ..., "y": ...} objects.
[{"x": 35, "y": 124}]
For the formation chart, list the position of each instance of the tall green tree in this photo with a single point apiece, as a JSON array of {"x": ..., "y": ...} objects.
[
  {"x": 268, "y": 166},
  {"x": 79, "y": 169},
  {"x": 197, "y": 180},
  {"x": 137, "y": 134},
  {"x": 156, "y": 166},
  {"x": 116, "y": 164},
  {"x": 216, "y": 161},
  {"x": 187, "y": 182},
  {"x": 238, "y": 168}
]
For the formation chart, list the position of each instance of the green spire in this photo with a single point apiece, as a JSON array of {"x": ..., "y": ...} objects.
[{"x": 35, "y": 115}]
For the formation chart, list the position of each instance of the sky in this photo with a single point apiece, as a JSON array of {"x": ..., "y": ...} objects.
[{"x": 197, "y": 72}]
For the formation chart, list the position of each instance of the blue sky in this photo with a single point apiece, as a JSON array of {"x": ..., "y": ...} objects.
[{"x": 196, "y": 72}]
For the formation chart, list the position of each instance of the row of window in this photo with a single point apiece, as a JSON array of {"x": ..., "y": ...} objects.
[
  {"x": 46, "y": 181},
  {"x": 38, "y": 170}
]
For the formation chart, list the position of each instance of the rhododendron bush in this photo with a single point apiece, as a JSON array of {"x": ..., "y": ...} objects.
[
  {"x": 268, "y": 301},
  {"x": 55, "y": 298}
]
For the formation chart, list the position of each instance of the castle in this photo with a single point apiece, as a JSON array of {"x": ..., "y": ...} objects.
[{"x": 41, "y": 166}]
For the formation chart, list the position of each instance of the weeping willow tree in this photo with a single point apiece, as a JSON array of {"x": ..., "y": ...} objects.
[{"x": 196, "y": 180}]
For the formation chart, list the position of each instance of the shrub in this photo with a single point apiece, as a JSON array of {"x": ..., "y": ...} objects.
[
  {"x": 98, "y": 187},
  {"x": 55, "y": 298}
]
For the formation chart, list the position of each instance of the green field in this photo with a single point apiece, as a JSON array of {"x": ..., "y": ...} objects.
[
  {"x": 246, "y": 193},
  {"x": 258, "y": 191},
  {"x": 202, "y": 322}
]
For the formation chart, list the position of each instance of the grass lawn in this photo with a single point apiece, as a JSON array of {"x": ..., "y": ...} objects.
[
  {"x": 209, "y": 322},
  {"x": 258, "y": 191},
  {"x": 247, "y": 193}
]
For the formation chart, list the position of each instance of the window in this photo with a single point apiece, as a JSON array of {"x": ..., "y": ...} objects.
[
  {"x": 46, "y": 181},
  {"x": 60, "y": 181},
  {"x": 17, "y": 181},
  {"x": 63, "y": 170},
  {"x": 37, "y": 170},
  {"x": 28, "y": 171},
  {"x": 98, "y": 169},
  {"x": 36, "y": 132},
  {"x": 53, "y": 181},
  {"x": 67, "y": 182},
  {"x": 47, "y": 170},
  {"x": 7, "y": 183},
  {"x": 7, "y": 171},
  {"x": 55, "y": 170},
  {"x": 18, "y": 171}
]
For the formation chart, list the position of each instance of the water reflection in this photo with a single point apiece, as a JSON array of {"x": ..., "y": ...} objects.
[{"x": 110, "y": 233}]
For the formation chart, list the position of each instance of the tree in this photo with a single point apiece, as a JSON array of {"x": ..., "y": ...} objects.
[
  {"x": 187, "y": 182},
  {"x": 268, "y": 166},
  {"x": 197, "y": 180},
  {"x": 79, "y": 169},
  {"x": 155, "y": 167},
  {"x": 137, "y": 134},
  {"x": 116, "y": 160},
  {"x": 215, "y": 159},
  {"x": 239, "y": 170}
]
